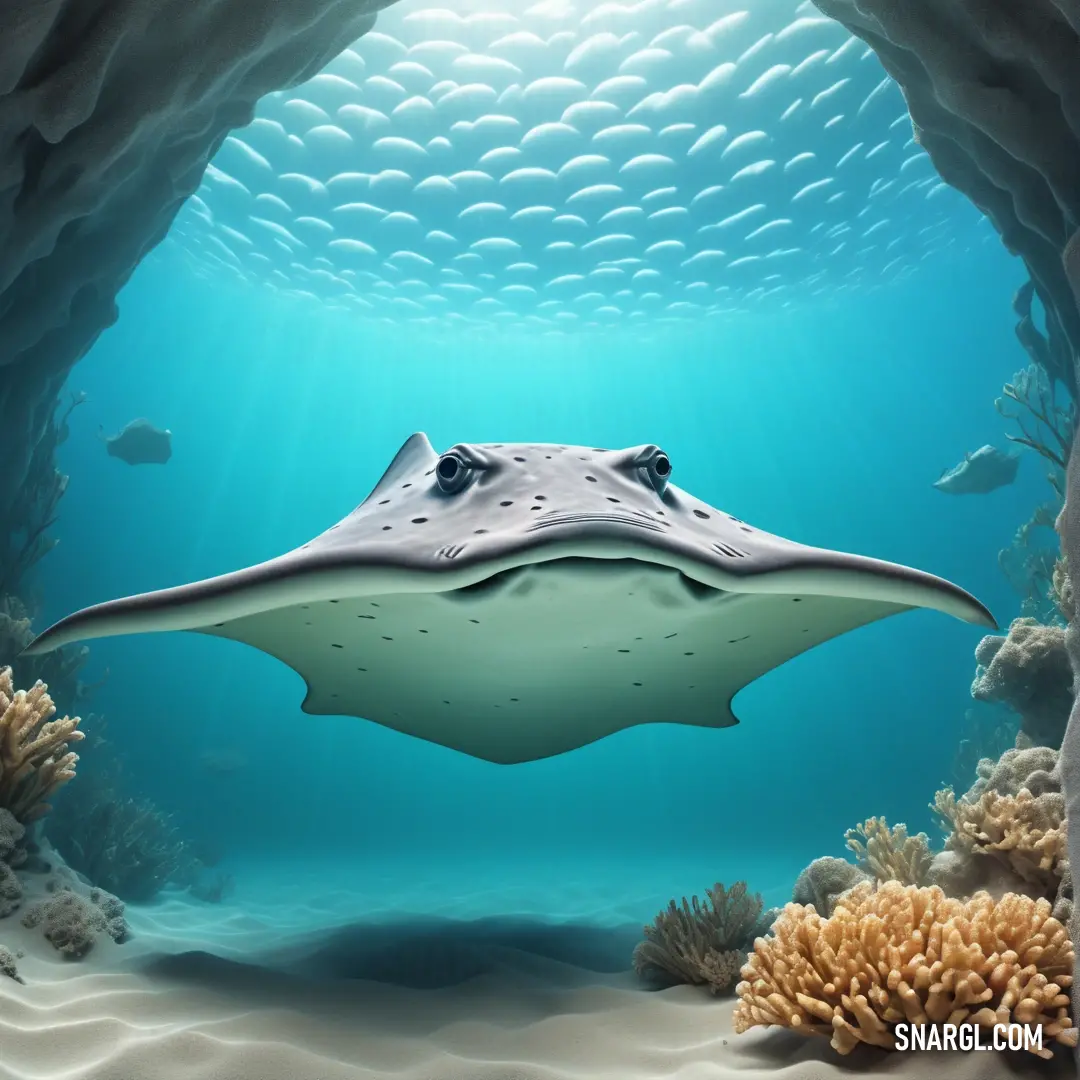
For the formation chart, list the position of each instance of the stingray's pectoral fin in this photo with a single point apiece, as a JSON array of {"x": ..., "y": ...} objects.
[{"x": 198, "y": 606}]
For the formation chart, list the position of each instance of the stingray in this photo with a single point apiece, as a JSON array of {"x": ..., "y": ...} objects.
[
  {"x": 140, "y": 443},
  {"x": 516, "y": 601},
  {"x": 979, "y": 473}
]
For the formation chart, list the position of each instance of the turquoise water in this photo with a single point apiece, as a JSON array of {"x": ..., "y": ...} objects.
[{"x": 819, "y": 403}]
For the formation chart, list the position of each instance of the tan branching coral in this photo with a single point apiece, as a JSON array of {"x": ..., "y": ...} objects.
[
  {"x": 903, "y": 954},
  {"x": 34, "y": 757},
  {"x": 703, "y": 943},
  {"x": 1025, "y": 832},
  {"x": 890, "y": 854}
]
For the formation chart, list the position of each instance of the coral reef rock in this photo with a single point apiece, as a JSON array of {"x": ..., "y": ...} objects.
[
  {"x": 8, "y": 965},
  {"x": 824, "y": 881},
  {"x": 1029, "y": 671},
  {"x": 72, "y": 923}
]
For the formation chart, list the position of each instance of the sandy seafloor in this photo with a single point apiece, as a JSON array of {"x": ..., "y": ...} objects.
[{"x": 322, "y": 971}]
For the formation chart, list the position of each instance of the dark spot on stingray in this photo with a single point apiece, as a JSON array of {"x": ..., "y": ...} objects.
[
  {"x": 666, "y": 636},
  {"x": 387, "y": 528},
  {"x": 385, "y": 638},
  {"x": 547, "y": 456},
  {"x": 373, "y": 604},
  {"x": 361, "y": 669},
  {"x": 701, "y": 514},
  {"x": 218, "y": 625},
  {"x": 539, "y": 498},
  {"x": 479, "y": 532},
  {"x": 806, "y": 631},
  {"x": 591, "y": 479},
  {"x": 534, "y": 508},
  {"x": 335, "y": 646},
  {"x": 519, "y": 459},
  {"x": 365, "y": 616},
  {"x": 507, "y": 502},
  {"x": 333, "y": 527},
  {"x": 515, "y": 699},
  {"x": 660, "y": 513},
  {"x": 796, "y": 599},
  {"x": 334, "y": 601},
  {"x": 611, "y": 498},
  {"x": 639, "y": 639},
  {"x": 445, "y": 702},
  {"x": 735, "y": 641},
  {"x": 599, "y": 450},
  {"x": 140, "y": 443},
  {"x": 385, "y": 502},
  {"x": 333, "y": 695},
  {"x": 498, "y": 445},
  {"x": 477, "y": 621},
  {"x": 745, "y": 528},
  {"x": 419, "y": 521},
  {"x": 403, "y": 486},
  {"x": 624, "y": 650},
  {"x": 688, "y": 654},
  {"x": 307, "y": 623},
  {"x": 637, "y": 684}
]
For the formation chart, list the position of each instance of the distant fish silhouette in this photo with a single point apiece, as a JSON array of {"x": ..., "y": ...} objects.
[
  {"x": 140, "y": 443},
  {"x": 984, "y": 471}
]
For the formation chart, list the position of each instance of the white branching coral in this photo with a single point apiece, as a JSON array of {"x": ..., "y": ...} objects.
[{"x": 35, "y": 760}]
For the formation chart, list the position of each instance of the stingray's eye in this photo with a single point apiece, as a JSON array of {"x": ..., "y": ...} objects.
[
  {"x": 451, "y": 474},
  {"x": 658, "y": 468}
]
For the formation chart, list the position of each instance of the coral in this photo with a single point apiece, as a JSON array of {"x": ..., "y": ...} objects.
[
  {"x": 59, "y": 670},
  {"x": 824, "y": 881},
  {"x": 702, "y": 943},
  {"x": 1031, "y": 562},
  {"x": 8, "y": 965},
  {"x": 35, "y": 760},
  {"x": 900, "y": 953},
  {"x": 11, "y": 836},
  {"x": 1029, "y": 671},
  {"x": 11, "y": 892},
  {"x": 125, "y": 845},
  {"x": 1025, "y": 832},
  {"x": 890, "y": 854},
  {"x": 72, "y": 925},
  {"x": 1061, "y": 590},
  {"x": 1034, "y": 768}
]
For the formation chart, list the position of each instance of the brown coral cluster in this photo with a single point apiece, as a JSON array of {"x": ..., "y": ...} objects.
[
  {"x": 1023, "y": 831},
  {"x": 902, "y": 954},
  {"x": 35, "y": 760}
]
